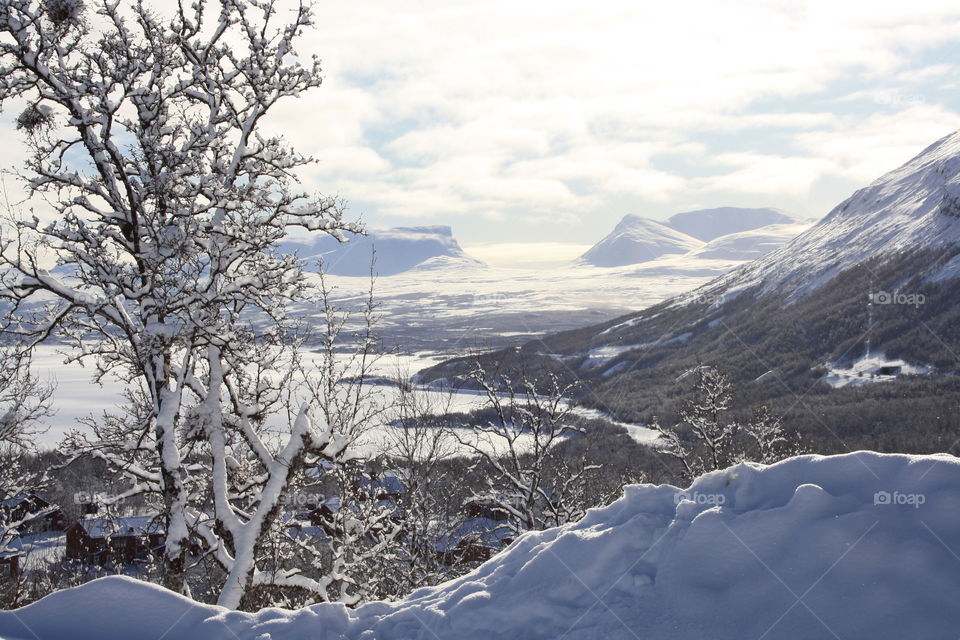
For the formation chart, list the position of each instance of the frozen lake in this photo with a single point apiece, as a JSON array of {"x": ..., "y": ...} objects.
[{"x": 77, "y": 397}]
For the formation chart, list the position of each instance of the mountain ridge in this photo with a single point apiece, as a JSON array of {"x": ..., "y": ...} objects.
[
  {"x": 709, "y": 224},
  {"x": 385, "y": 251}
]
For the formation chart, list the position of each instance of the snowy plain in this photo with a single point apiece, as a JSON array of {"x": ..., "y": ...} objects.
[
  {"x": 873, "y": 546},
  {"x": 430, "y": 314}
]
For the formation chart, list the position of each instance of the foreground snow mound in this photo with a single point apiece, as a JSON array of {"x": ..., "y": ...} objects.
[{"x": 856, "y": 546}]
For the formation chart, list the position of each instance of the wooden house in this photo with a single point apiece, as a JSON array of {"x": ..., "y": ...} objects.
[
  {"x": 102, "y": 540},
  {"x": 21, "y": 506},
  {"x": 9, "y": 566}
]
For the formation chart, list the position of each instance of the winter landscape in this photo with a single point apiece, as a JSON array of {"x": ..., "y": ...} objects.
[{"x": 524, "y": 321}]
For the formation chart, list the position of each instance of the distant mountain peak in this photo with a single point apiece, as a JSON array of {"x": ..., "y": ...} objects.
[
  {"x": 636, "y": 239},
  {"x": 710, "y": 224},
  {"x": 397, "y": 250}
]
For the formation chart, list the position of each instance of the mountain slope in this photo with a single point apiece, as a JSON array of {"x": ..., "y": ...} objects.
[
  {"x": 874, "y": 281},
  {"x": 635, "y": 240},
  {"x": 397, "y": 250},
  {"x": 867, "y": 540},
  {"x": 912, "y": 208},
  {"x": 710, "y": 224}
]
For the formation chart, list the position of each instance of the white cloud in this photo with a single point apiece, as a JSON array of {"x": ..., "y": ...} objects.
[
  {"x": 768, "y": 174},
  {"x": 862, "y": 149},
  {"x": 551, "y": 110}
]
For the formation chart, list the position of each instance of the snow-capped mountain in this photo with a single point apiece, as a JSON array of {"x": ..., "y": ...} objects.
[
  {"x": 396, "y": 250},
  {"x": 750, "y": 245},
  {"x": 637, "y": 239},
  {"x": 915, "y": 207},
  {"x": 710, "y": 224},
  {"x": 868, "y": 294},
  {"x": 727, "y": 233}
]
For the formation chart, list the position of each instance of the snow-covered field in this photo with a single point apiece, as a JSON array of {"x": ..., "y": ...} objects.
[
  {"x": 443, "y": 311},
  {"x": 452, "y": 307},
  {"x": 853, "y": 547},
  {"x": 77, "y": 397}
]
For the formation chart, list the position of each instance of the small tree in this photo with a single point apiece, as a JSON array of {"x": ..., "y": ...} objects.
[
  {"x": 706, "y": 439},
  {"x": 518, "y": 448},
  {"x": 23, "y": 402},
  {"x": 768, "y": 439},
  {"x": 704, "y": 419}
]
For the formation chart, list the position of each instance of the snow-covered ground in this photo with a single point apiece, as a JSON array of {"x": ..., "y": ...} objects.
[
  {"x": 854, "y": 547},
  {"x": 870, "y": 369},
  {"x": 640, "y": 433},
  {"x": 38, "y": 550},
  {"x": 453, "y": 292},
  {"x": 449, "y": 311}
]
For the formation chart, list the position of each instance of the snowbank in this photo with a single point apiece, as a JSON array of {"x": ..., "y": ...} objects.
[{"x": 856, "y": 546}]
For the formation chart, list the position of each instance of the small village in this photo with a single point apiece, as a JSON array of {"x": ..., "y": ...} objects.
[{"x": 126, "y": 544}]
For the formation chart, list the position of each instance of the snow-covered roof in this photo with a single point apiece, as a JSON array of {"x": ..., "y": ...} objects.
[{"x": 388, "y": 483}]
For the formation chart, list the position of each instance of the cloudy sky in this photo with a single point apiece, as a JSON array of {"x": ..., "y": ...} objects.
[{"x": 543, "y": 123}]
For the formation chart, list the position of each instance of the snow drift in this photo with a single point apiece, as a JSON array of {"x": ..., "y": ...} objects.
[
  {"x": 862, "y": 545},
  {"x": 397, "y": 250}
]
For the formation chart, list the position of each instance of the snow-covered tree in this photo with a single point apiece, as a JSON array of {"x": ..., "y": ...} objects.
[
  {"x": 706, "y": 438},
  {"x": 704, "y": 420},
  {"x": 419, "y": 447},
  {"x": 769, "y": 440},
  {"x": 518, "y": 448},
  {"x": 24, "y": 400},
  {"x": 294, "y": 568},
  {"x": 167, "y": 202}
]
